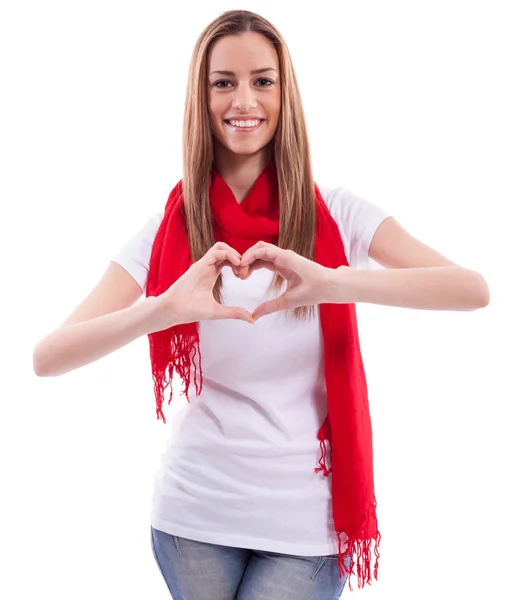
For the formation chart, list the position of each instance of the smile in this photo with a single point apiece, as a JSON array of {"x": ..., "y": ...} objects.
[{"x": 245, "y": 126}]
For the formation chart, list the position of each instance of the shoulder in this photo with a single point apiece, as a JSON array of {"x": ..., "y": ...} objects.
[
  {"x": 341, "y": 197},
  {"x": 153, "y": 222},
  {"x": 346, "y": 206},
  {"x": 144, "y": 236},
  {"x": 134, "y": 254},
  {"x": 357, "y": 218}
]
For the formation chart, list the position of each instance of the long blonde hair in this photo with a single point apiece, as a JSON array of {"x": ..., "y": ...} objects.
[{"x": 290, "y": 148}]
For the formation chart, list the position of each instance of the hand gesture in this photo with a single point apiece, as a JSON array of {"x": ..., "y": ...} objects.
[
  {"x": 190, "y": 298},
  {"x": 308, "y": 283}
]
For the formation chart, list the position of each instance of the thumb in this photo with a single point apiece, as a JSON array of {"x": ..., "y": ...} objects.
[
  {"x": 233, "y": 312},
  {"x": 271, "y": 306}
]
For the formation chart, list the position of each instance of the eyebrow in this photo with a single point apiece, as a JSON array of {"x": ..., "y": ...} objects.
[{"x": 255, "y": 72}]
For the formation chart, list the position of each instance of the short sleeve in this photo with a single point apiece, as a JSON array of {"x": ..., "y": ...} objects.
[
  {"x": 358, "y": 219},
  {"x": 134, "y": 255}
]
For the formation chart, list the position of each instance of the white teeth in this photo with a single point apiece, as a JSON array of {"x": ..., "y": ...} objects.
[{"x": 245, "y": 123}]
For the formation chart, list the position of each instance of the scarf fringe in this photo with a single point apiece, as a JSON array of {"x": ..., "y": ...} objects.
[
  {"x": 185, "y": 359},
  {"x": 361, "y": 548},
  {"x": 322, "y": 461}
]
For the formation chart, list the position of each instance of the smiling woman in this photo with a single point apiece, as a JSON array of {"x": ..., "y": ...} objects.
[
  {"x": 249, "y": 99},
  {"x": 266, "y": 486}
]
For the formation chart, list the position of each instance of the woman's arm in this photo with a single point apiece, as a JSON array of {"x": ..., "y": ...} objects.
[
  {"x": 428, "y": 288},
  {"x": 105, "y": 321},
  {"x": 416, "y": 276},
  {"x": 433, "y": 287}
]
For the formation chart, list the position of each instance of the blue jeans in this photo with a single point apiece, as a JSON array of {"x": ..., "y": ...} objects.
[{"x": 200, "y": 571}]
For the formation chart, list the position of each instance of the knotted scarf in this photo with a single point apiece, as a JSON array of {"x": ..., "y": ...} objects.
[{"x": 347, "y": 426}]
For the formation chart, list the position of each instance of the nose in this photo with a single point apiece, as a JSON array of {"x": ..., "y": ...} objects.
[{"x": 244, "y": 98}]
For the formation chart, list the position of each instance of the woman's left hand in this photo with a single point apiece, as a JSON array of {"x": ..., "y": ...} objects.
[{"x": 308, "y": 282}]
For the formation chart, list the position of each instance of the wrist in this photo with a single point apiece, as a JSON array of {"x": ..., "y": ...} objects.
[
  {"x": 338, "y": 288},
  {"x": 160, "y": 315}
]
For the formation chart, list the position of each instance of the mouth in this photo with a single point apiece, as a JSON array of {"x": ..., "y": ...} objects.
[{"x": 244, "y": 126}]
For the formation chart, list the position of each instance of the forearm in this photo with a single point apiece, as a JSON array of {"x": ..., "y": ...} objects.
[
  {"x": 72, "y": 346},
  {"x": 430, "y": 288}
]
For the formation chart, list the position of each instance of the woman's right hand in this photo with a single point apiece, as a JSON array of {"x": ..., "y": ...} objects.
[{"x": 190, "y": 298}]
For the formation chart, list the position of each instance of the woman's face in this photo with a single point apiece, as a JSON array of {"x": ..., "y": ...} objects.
[{"x": 244, "y": 105}]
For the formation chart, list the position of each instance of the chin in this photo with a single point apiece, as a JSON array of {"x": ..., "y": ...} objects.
[{"x": 244, "y": 149}]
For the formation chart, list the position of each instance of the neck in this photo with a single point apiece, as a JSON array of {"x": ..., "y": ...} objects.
[{"x": 239, "y": 171}]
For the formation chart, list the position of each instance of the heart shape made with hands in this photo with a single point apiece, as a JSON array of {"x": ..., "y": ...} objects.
[
  {"x": 307, "y": 281},
  {"x": 266, "y": 256},
  {"x": 244, "y": 271}
]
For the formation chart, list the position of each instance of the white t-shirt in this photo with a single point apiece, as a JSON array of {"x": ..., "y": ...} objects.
[{"x": 238, "y": 469}]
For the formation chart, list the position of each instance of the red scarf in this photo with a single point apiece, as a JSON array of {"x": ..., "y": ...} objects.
[{"x": 347, "y": 426}]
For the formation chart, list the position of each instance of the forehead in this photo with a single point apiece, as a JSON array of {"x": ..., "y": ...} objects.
[{"x": 243, "y": 52}]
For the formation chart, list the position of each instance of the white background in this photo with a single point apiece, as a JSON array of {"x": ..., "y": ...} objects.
[{"x": 414, "y": 106}]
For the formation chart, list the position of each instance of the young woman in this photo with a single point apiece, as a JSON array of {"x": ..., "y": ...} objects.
[{"x": 251, "y": 279}]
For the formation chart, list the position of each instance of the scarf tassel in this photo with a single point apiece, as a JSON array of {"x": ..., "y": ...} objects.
[
  {"x": 361, "y": 549},
  {"x": 322, "y": 461},
  {"x": 354, "y": 547},
  {"x": 185, "y": 360}
]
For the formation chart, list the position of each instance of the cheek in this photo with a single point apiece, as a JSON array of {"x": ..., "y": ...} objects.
[
  {"x": 215, "y": 109},
  {"x": 275, "y": 112},
  {"x": 275, "y": 107}
]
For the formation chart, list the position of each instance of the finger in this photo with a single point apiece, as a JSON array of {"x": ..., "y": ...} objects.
[
  {"x": 265, "y": 252},
  {"x": 260, "y": 245},
  {"x": 262, "y": 264},
  {"x": 216, "y": 256},
  {"x": 272, "y": 259},
  {"x": 271, "y": 306},
  {"x": 245, "y": 272},
  {"x": 233, "y": 312},
  {"x": 226, "y": 263},
  {"x": 221, "y": 246}
]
